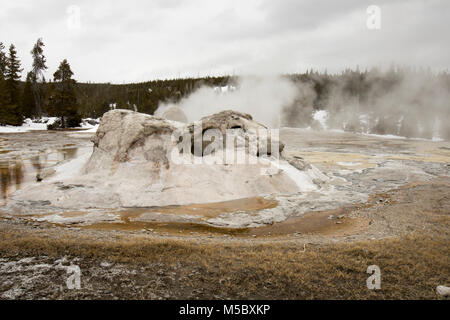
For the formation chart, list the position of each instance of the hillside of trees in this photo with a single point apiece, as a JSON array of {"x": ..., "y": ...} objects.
[
  {"x": 397, "y": 101},
  {"x": 401, "y": 101},
  {"x": 62, "y": 96}
]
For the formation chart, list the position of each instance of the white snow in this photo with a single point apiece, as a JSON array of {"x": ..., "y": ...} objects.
[
  {"x": 29, "y": 125},
  {"x": 392, "y": 136},
  {"x": 224, "y": 89},
  {"x": 85, "y": 123},
  {"x": 92, "y": 129},
  {"x": 41, "y": 124},
  {"x": 384, "y": 136},
  {"x": 348, "y": 164}
]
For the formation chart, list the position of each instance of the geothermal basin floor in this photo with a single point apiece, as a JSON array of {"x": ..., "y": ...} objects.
[{"x": 402, "y": 225}]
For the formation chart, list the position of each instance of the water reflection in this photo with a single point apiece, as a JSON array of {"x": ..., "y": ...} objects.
[
  {"x": 10, "y": 175},
  {"x": 14, "y": 173}
]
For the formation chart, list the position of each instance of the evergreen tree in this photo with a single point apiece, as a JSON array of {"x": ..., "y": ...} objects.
[
  {"x": 10, "y": 112},
  {"x": 28, "y": 102},
  {"x": 64, "y": 98},
  {"x": 2, "y": 81},
  {"x": 3, "y": 101},
  {"x": 38, "y": 75},
  {"x": 2, "y": 60},
  {"x": 3, "y": 94},
  {"x": 12, "y": 75},
  {"x": 48, "y": 99}
]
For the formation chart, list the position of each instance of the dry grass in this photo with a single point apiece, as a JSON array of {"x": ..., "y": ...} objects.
[{"x": 411, "y": 267}]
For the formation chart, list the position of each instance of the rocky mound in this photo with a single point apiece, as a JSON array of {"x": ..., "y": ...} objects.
[
  {"x": 127, "y": 136},
  {"x": 244, "y": 130},
  {"x": 136, "y": 163}
]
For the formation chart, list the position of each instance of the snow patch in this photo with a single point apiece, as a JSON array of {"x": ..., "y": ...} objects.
[
  {"x": 29, "y": 125},
  {"x": 42, "y": 123},
  {"x": 348, "y": 164},
  {"x": 92, "y": 129}
]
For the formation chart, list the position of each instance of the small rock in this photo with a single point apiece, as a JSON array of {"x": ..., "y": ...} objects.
[
  {"x": 105, "y": 264},
  {"x": 330, "y": 217},
  {"x": 44, "y": 174},
  {"x": 443, "y": 291}
]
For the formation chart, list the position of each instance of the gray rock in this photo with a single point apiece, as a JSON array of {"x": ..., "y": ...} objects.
[
  {"x": 123, "y": 131},
  {"x": 443, "y": 291},
  {"x": 244, "y": 128},
  {"x": 299, "y": 163}
]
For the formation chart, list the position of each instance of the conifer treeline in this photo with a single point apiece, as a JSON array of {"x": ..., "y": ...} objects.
[
  {"x": 94, "y": 99},
  {"x": 9, "y": 86},
  {"x": 412, "y": 97},
  {"x": 36, "y": 97},
  {"x": 410, "y": 102},
  {"x": 63, "y": 97}
]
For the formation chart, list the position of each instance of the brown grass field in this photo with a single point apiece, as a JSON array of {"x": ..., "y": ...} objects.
[{"x": 411, "y": 266}]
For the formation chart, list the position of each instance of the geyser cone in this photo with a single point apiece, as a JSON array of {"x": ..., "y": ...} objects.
[{"x": 136, "y": 163}]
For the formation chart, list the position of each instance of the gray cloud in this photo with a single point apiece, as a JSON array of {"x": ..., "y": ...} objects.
[{"x": 137, "y": 41}]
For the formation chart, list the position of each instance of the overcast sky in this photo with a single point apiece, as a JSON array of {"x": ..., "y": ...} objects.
[{"x": 136, "y": 40}]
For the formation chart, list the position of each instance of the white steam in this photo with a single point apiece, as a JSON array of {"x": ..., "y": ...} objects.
[
  {"x": 263, "y": 97},
  {"x": 405, "y": 103}
]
